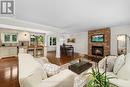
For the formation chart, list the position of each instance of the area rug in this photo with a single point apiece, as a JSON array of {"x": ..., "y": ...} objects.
[{"x": 80, "y": 79}]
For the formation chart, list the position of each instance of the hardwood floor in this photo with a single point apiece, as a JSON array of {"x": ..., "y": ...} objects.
[
  {"x": 9, "y": 72},
  {"x": 9, "y": 68},
  {"x": 60, "y": 61}
]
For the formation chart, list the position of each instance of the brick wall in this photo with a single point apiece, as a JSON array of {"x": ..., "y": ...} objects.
[{"x": 106, "y": 44}]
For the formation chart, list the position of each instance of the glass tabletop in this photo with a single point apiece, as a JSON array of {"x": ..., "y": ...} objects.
[{"x": 78, "y": 61}]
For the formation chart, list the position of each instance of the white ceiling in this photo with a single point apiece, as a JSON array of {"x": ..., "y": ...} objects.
[{"x": 75, "y": 15}]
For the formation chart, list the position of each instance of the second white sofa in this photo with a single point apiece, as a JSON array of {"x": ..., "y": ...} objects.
[
  {"x": 122, "y": 77},
  {"x": 31, "y": 74}
]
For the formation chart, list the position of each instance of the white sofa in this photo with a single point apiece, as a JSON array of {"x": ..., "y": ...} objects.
[
  {"x": 122, "y": 78},
  {"x": 28, "y": 78}
]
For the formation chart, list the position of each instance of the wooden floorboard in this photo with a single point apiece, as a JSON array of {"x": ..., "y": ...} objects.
[
  {"x": 9, "y": 68},
  {"x": 9, "y": 72},
  {"x": 62, "y": 60}
]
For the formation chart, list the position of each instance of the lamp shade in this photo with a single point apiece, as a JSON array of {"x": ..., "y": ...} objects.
[{"x": 24, "y": 36}]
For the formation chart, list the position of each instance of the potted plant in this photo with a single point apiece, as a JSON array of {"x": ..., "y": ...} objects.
[{"x": 98, "y": 79}]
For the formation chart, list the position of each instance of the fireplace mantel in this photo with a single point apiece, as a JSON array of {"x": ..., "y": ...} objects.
[{"x": 106, "y": 44}]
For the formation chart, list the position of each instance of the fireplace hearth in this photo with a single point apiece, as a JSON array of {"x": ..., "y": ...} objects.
[{"x": 98, "y": 50}]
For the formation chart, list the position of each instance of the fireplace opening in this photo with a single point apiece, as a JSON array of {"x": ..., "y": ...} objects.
[{"x": 98, "y": 50}]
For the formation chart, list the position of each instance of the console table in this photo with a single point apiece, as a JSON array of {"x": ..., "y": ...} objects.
[{"x": 36, "y": 50}]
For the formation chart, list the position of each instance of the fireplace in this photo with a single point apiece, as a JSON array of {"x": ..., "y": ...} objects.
[{"x": 98, "y": 50}]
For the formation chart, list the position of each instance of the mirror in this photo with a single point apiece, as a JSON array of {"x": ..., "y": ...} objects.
[{"x": 121, "y": 44}]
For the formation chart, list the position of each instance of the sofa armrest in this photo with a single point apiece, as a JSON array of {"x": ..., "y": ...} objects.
[
  {"x": 120, "y": 82},
  {"x": 63, "y": 79}
]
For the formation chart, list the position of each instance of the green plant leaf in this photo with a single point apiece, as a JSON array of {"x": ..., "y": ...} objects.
[{"x": 98, "y": 79}]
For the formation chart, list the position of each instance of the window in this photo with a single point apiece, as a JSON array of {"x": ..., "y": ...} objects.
[
  {"x": 14, "y": 37},
  {"x": 7, "y": 38},
  {"x": 52, "y": 41},
  {"x": 37, "y": 39},
  {"x": 10, "y": 37}
]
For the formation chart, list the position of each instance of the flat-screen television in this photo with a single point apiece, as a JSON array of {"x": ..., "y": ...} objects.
[{"x": 97, "y": 38}]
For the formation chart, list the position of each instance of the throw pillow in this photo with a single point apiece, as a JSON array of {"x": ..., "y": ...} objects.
[
  {"x": 101, "y": 63},
  {"x": 51, "y": 69},
  {"x": 110, "y": 63},
  {"x": 120, "y": 61}
]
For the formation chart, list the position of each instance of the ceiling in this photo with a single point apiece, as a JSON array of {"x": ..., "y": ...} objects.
[{"x": 74, "y": 15}]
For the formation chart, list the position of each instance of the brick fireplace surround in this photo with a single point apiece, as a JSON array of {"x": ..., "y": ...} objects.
[{"x": 106, "y": 44}]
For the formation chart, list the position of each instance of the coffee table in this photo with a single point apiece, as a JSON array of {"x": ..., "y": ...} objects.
[{"x": 79, "y": 66}]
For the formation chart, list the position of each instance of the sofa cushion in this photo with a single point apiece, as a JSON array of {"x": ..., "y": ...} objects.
[
  {"x": 39, "y": 73},
  {"x": 63, "y": 79},
  {"x": 26, "y": 66},
  {"x": 51, "y": 69},
  {"x": 120, "y": 82},
  {"x": 128, "y": 58},
  {"x": 120, "y": 61},
  {"x": 35, "y": 78},
  {"x": 124, "y": 72},
  {"x": 110, "y": 63},
  {"x": 111, "y": 74}
]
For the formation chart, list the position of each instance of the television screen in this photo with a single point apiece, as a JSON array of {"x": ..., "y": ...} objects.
[{"x": 97, "y": 38}]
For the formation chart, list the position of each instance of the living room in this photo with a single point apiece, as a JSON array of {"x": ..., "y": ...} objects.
[{"x": 65, "y": 43}]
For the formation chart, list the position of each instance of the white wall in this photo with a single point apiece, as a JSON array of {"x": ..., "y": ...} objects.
[
  {"x": 81, "y": 45},
  {"x": 114, "y": 32},
  {"x": 81, "y": 42}
]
